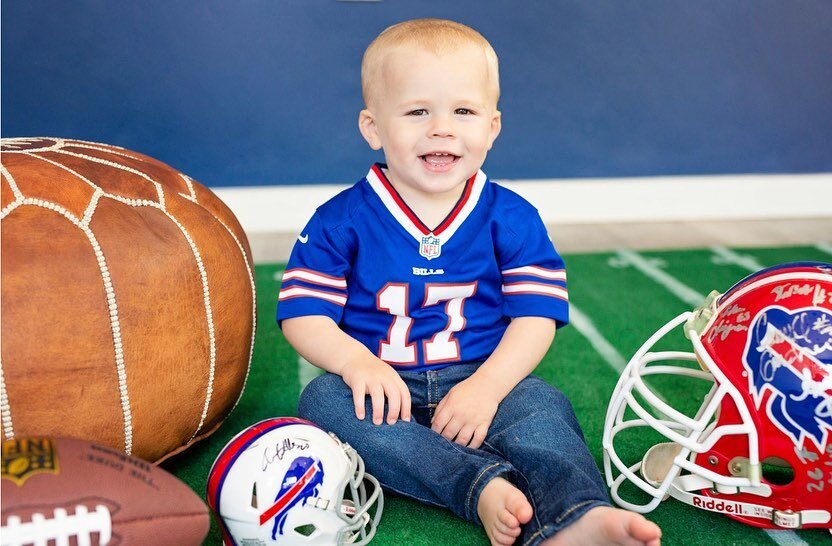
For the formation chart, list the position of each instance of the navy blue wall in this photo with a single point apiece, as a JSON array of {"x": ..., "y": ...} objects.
[{"x": 267, "y": 91}]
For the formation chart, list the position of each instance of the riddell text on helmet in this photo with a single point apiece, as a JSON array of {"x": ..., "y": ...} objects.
[
  {"x": 728, "y": 507},
  {"x": 717, "y": 505}
]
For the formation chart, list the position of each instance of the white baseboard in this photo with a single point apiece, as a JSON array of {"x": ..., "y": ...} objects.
[{"x": 270, "y": 209}]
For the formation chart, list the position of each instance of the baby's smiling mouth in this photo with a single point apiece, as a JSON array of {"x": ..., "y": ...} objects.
[{"x": 439, "y": 159}]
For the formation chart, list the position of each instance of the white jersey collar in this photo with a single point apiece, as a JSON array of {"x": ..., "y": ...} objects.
[{"x": 407, "y": 218}]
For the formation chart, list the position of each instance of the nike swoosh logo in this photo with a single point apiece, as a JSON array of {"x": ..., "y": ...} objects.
[{"x": 303, "y": 238}]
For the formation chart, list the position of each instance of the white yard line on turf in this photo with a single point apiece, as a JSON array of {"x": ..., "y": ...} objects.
[
  {"x": 724, "y": 256},
  {"x": 587, "y": 329},
  {"x": 825, "y": 247},
  {"x": 680, "y": 290},
  {"x": 786, "y": 538},
  {"x": 687, "y": 294}
]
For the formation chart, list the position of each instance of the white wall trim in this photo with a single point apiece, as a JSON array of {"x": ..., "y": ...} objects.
[{"x": 269, "y": 209}]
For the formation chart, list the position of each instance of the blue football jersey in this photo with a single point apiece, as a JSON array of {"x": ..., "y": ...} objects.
[{"x": 420, "y": 298}]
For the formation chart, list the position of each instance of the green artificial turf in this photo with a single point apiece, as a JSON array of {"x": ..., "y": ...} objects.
[{"x": 624, "y": 305}]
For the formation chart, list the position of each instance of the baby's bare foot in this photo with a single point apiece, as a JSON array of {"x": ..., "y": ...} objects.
[
  {"x": 604, "y": 525},
  {"x": 502, "y": 509}
]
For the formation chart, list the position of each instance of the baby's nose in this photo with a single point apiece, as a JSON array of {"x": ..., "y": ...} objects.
[{"x": 441, "y": 127}]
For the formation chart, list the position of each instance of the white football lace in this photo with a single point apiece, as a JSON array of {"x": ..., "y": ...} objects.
[{"x": 59, "y": 528}]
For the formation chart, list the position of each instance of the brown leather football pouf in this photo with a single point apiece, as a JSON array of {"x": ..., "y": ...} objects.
[{"x": 127, "y": 299}]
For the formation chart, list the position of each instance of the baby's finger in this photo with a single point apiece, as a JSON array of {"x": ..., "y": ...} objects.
[
  {"x": 377, "y": 396},
  {"x": 479, "y": 437},
  {"x": 405, "y": 402},
  {"x": 464, "y": 436},
  {"x": 440, "y": 419},
  {"x": 451, "y": 429},
  {"x": 358, "y": 396},
  {"x": 440, "y": 408},
  {"x": 394, "y": 403}
]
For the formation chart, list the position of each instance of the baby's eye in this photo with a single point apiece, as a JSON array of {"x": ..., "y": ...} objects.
[
  {"x": 419, "y": 112},
  {"x": 463, "y": 111}
]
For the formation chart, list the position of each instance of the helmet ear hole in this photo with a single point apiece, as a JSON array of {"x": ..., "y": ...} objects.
[
  {"x": 777, "y": 471},
  {"x": 306, "y": 530},
  {"x": 254, "y": 495}
]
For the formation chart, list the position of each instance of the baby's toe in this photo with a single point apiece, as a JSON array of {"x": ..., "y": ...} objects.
[{"x": 507, "y": 518}]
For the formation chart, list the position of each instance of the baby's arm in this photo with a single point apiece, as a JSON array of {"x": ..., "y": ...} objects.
[
  {"x": 319, "y": 340},
  {"x": 465, "y": 414}
]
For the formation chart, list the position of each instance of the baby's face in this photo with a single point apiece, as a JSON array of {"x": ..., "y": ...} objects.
[{"x": 435, "y": 117}]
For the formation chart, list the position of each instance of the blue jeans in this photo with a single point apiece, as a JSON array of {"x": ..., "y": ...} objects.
[{"x": 534, "y": 442}]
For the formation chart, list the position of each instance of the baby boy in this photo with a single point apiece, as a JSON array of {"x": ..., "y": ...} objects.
[{"x": 429, "y": 294}]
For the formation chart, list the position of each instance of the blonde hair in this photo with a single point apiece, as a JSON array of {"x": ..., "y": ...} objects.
[{"x": 435, "y": 35}]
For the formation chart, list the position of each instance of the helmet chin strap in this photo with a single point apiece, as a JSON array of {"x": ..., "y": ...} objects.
[
  {"x": 786, "y": 519},
  {"x": 658, "y": 461}
]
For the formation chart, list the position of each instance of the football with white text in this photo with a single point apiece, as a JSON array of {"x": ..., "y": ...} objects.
[{"x": 67, "y": 491}]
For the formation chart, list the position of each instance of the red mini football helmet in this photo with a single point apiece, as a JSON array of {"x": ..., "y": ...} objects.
[{"x": 765, "y": 346}]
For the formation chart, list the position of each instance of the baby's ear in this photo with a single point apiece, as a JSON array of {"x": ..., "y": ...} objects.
[
  {"x": 496, "y": 127},
  {"x": 368, "y": 128}
]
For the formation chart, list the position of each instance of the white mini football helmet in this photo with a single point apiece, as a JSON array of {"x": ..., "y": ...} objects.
[
  {"x": 286, "y": 481},
  {"x": 759, "y": 447}
]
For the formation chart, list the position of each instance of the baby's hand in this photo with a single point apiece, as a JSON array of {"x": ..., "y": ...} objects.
[
  {"x": 465, "y": 414},
  {"x": 375, "y": 377}
]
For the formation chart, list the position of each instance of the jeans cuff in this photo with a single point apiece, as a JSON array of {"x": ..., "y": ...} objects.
[
  {"x": 486, "y": 475},
  {"x": 569, "y": 516}
]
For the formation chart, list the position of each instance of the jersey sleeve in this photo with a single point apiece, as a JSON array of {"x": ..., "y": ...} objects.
[
  {"x": 534, "y": 275},
  {"x": 315, "y": 280}
]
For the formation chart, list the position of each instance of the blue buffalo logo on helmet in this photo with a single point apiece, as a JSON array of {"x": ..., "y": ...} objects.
[
  {"x": 789, "y": 353},
  {"x": 301, "y": 482}
]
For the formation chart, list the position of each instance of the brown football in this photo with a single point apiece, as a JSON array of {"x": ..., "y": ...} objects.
[
  {"x": 127, "y": 299},
  {"x": 67, "y": 491}
]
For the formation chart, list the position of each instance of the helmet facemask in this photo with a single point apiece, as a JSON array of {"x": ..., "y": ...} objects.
[{"x": 687, "y": 436}]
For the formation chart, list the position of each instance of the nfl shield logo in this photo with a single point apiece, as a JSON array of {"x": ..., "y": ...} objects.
[{"x": 431, "y": 247}]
